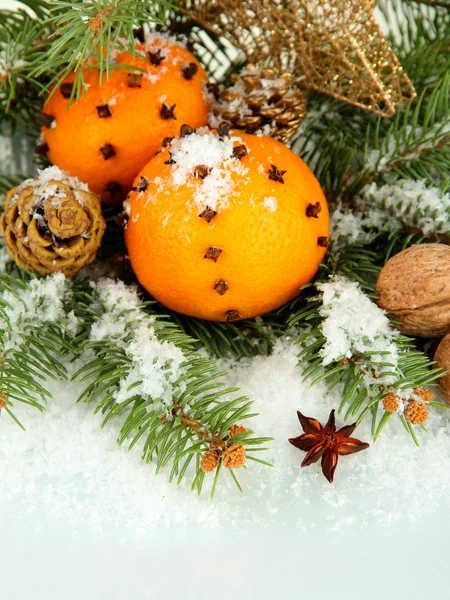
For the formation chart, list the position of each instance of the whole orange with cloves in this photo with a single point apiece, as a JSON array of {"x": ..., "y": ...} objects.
[
  {"x": 108, "y": 135},
  {"x": 225, "y": 225}
]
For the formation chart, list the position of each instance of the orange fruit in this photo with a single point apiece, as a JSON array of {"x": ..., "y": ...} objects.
[
  {"x": 226, "y": 228},
  {"x": 108, "y": 136}
]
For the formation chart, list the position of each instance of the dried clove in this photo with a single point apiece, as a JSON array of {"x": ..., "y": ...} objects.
[
  {"x": 223, "y": 129},
  {"x": 221, "y": 286},
  {"x": 213, "y": 253},
  {"x": 108, "y": 151},
  {"x": 135, "y": 80},
  {"x": 189, "y": 70},
  {"x": 201, "y": 171},
  {"x": 155, "y": 57},
  {"x": 240, "y": 151},
  {"x": 170, "y": 160},
  {"x": 41, "y": 149},
  {"x": 46, "y": 120},
  {"x": 103, "y": 111},
  {"x": 313, "y": 210},
  {"x": 207, "y": 214},
  {"x": 322, "y": 241},
  {"x": 232, "y": 315},
  {"x": 186, "y": 130},
  {"x": 139, "y": 34},
  {"x": 276, "y": 175},
  {"x": 66, "y": 89},
  {"x": 141, "y": 186},
  {"x": 167, "y": 112}
]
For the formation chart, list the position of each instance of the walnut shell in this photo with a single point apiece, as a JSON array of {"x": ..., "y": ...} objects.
[
  {"x": 414, "y": 287},
  {"x": 442, "y": 358}
]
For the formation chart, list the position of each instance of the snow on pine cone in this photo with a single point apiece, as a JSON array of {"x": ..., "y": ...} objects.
[
  {"x": 52, "y": 223},
  {"x": 261, "y": 97}
]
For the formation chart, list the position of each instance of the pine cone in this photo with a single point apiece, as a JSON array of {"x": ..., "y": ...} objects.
[
  {"x": 261, "y": 97},
  {"x": 234, "y": 456},
  {"x": 391, "y": 403},
  {"x": 52, "y": 226},
  {"x": 209, "y": 461},
  {"x": 235, "y": 429},
  {"x": 416, "y": 412},
  {"x": 424, "y": 394}
]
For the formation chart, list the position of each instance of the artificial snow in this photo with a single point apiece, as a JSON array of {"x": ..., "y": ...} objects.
[
  {"x": 411, "y": 202},
  {"x": 271, "y": 203},
  {"x": 42, "y": 303},
  {"x": 387, "y": 207},
  {"x": 66, "y": 467},
  {"x": 353, "y": 325},
  {"x": 46, "y": 183},
  {"x": 155, "y": 366},
  {"x": 225, "y": 172}
]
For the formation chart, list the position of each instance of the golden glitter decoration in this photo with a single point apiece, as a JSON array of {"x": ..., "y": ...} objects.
[{"x": 332, "y": 46}]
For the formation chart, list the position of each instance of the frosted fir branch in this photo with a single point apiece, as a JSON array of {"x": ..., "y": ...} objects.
[
  {"x": 154, "y": 366},
  {"x": 146, "y": 371},
  {"x": 350, "y": 342},
  {"x": 406, "y": 205},
  {"x": 36, "y": 326},
  {"x": 82, "y": 32},
  {"x": 353, "y": 326}
]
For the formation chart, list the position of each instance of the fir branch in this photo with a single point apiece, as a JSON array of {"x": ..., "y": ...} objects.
[
  {"x": 89, "y": 33},
  {"x": 34, "y": 337},
  {"x": 367, "y": 358},
  {"x": 19, "y": 48},
  {"x": 145, "y": 371}
]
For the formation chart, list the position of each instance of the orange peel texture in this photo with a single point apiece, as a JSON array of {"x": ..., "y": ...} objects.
[
  {"x": 108, "y": 136},
  {"x": 226, "y": 228}
]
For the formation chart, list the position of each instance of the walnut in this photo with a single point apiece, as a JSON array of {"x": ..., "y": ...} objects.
[
  {"x": 414, "y": 287},
  {"x": 442, "y": 358}
]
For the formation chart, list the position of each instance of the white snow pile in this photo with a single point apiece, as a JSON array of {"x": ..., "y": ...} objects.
[
  {"x": 390, "y": 206},
  {"x": 353, "y": 325},
  {"x": 225, "y": 171},
  {"x": 66, "y": 467},
  {"x": 155, "y": 366}
]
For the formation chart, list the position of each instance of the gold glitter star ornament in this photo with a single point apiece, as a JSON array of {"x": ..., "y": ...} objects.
[{"x": 333, "y": 46}]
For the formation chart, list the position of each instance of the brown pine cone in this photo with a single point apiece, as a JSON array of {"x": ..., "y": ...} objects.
[
  {"x": 416, "y": 412},
  {"x": 391, "y": 403},
  {"x": 261, "y": 97},
  {"x": 425, "y": 394},
  {"x": 235, "y": 429},
  {"x": 233, "y": 457},
  {"x": 51, "y": 226},
  {"x": 209, "y": 461}
]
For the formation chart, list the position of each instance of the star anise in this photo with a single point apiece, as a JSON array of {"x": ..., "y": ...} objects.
[{"x": 325, "y": 443}]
